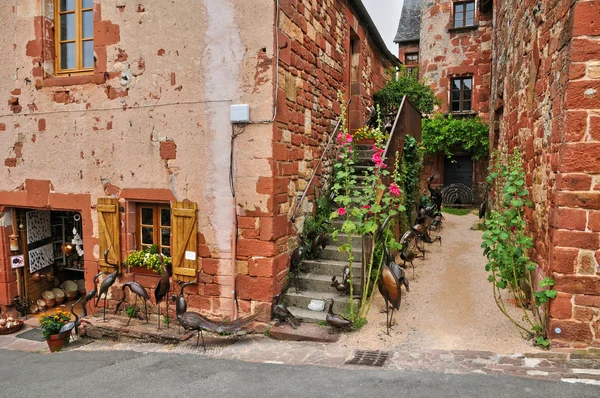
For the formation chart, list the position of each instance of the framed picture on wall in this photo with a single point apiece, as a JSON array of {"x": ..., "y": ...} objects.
[{"x": 17, "y": 261}]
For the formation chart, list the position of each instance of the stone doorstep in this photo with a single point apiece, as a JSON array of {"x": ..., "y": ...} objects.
[{"x": 305, "y": 332}]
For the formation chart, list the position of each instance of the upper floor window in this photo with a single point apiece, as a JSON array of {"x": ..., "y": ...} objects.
[
  {"x": 411, "y": 59},
  {"x": 74, "y": 30},
  {"x": 464, "y": 14},
  {"x": 461, "y": 94}
]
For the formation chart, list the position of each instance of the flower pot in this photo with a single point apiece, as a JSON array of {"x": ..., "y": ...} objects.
[
  {"x": 365, "y": 141},
  {"x": 56, "y": 343}
]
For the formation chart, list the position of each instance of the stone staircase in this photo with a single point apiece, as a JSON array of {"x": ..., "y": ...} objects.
[{"x": 316, "y": 284}]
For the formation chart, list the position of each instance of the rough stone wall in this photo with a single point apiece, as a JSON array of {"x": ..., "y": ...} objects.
[
  {"x": 546, "y": 101},
  {"x": 152, "y": 119},
  {"x": 315, "y": 65}
]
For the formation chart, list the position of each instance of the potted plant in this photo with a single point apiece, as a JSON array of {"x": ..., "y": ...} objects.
[
  {"x": 370, "y": 135},
  {"x": 147, "y": 258},
  {"x": 51, "y": 324}
]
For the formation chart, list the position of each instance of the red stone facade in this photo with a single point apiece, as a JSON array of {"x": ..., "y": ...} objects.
[{"x": 545, "y": 99}]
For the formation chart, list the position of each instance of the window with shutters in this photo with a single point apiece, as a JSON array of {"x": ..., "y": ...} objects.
[
  {"x": 154, "y": 227},
  {"x": 461, "y": 94},
  {"x": 74, "y": 36}
]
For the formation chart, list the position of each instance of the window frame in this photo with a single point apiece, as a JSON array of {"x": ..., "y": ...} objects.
[
  {"x": 78, "y": 40},
  {"x": 157, "y": 225},
  {"x": 464, "y": 4},
  {"x": 413, "y": 54},
  {"x": 461, "y": 100}
]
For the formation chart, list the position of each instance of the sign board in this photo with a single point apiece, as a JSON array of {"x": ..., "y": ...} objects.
[{"x": 17, "y": 261}]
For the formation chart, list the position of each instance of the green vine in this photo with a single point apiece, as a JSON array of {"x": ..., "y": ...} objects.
[
  {"x": 148, "y": 258},
  {"x": 418, "y": 92},
  {"x": 410, "y": 178},
  {"x": 446, "y": 134},
  {"x": 506, "y": 245}
]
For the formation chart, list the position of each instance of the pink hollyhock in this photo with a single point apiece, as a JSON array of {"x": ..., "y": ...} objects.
[
  {"x": 339, "y": 137},
  {"x": 341, "y": 211},
  {"x": 376, "y": 158},
  {"x": 374, "y": 147},
  {"x": 394, "y": 190},
  {"x": 349, "y": 139}
]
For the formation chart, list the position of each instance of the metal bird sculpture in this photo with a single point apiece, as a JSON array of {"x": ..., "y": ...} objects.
[
  {"x": 90, "y": 295},
  {"x": 408, "y": 256},
  {"x": 296, "y": 260},
  {"x": 436, "y": 194},
  {"x": 139, "y": 291},
  {"x": 180, "y": 303},
  {"x": 344, "y": 286},
  {"x": 68, "y": 327},
  {"x": 484, "y": 204},
  {"x": 280, "y": 312},
  {"x": 336, "y": 321},
  {"x": 107, "y": 283},
  {"x": 162, "y": 289}
]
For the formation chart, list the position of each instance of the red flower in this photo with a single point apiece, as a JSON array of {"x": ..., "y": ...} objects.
[
  {"x": 341, "y": 211},
  {"x": 394, "y": 190}
]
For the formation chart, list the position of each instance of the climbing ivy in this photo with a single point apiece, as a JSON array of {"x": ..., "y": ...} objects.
[
  {"x": 406, "y": 84},
  {"x": 506, "y": 245},
  {"x": 444, "y": 134},
  {"x": 410, "y": 178}
]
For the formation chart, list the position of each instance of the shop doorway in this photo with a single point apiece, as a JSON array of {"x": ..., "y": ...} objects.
[{"x": 51, "y": 245}]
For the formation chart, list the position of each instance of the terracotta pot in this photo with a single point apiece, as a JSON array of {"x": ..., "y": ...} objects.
[
  {"x": 56, "y": 343},
  {"x": 365, "y": 141}
]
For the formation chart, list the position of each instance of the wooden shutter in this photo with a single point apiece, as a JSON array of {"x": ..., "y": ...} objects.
[
  {"x": 184, "y": 230},
  {"x": 109, "y": 231}
]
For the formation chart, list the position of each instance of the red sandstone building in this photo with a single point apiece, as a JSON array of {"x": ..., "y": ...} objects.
[
  {"x": 450, "y": 42},
  {"x": 116, "y": 134}
]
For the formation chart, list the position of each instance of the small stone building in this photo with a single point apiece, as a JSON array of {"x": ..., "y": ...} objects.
[
  {"x": 115, "y": 134},
  {"x": 449, "y": 43}
]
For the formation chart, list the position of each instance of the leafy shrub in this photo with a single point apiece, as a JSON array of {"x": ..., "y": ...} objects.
[
  {"x": 406, "y": 84},
  {"x": 445, "y": 134}
]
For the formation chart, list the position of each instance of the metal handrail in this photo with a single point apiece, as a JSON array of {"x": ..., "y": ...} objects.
[{"x": 337, "y": 126}]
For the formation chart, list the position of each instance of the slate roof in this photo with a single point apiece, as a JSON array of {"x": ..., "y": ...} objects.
[{"x": 409, "y": 28}]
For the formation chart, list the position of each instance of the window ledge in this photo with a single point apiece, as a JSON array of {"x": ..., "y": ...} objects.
[
  {"x": 58, "y": 81},
  {"x": 462, "y": 114},
  {"x": 463, "y": 28}
]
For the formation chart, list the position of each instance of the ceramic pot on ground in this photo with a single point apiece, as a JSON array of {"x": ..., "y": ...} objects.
[{"x": 56, "y": 343}]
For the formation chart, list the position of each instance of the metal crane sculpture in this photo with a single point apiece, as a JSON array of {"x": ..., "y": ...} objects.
[
  {"x": 194, "y": 321},
  {"x": 296, "y": 260},
  {"x": 180, "y": 303},
  {"x": 107, "y": 282},
  {"x": 162, "y": 289},
  {"x": 280, "y": 312},
  {"x": 408, "y": 256},
  {"x": 484, "y": 204},
  {"x": 90, "y": 295},
  {"x": 139, "y": 291},
  {"x": 336, "y": 321},
  {"x": 68, "y": 327},
  {"x": 436, "y": 194}
]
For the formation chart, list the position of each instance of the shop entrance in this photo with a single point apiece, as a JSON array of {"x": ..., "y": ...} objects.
[{"x": 51, "y": 246}]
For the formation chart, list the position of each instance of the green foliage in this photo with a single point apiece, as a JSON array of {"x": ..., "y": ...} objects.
[
  {"x": 456, "y": 211},
  {"x": 409, "y": 178},
  {"x": 131, "y": 311},
  {"x": 445, "y": 134},
  {"x": 148, "y": 258},
  {"x": 166, "y": 320},
  {"x": 364, "y": 133},
  {"x": 51, "y": 324},
  {"x": 407, "y": 84},
  {"x": 506, "y": 245}
]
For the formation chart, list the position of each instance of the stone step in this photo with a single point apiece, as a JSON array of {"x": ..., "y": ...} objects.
[
  {"x": 330, "y": 267},
  {"x": 303, "y": 298},
  {"x": 331, "y": 253},
  {"x": 322, "y": 282},
  {"x": 342, "y": 238},
  {"x": 307, "y": 315}
]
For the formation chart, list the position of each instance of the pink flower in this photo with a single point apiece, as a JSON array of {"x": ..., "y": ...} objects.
[
  {"x": 376, "y": 158},
  {"x": 341, "y": 211},
  {"x": 339, "y": 137},
  {"x": 394, "y": 190},
  {"x": 374, "y": 147},
  {"x": 349, "y": 139},
  {"x": 366, "y": 207}
]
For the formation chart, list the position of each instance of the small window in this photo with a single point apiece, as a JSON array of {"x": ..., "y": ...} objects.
[
  {"x": 464, "y": 14},
  {"x": 411, "y": 59},
  {"x": 461, "y": 94},
  {"x": 154, "y": 227},
  {"x": 74, "y": 30}
]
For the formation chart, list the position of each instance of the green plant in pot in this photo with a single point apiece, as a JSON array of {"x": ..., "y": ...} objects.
[
  {"x": 148, "y": 258},
  {"x": 50, "y": 325}
]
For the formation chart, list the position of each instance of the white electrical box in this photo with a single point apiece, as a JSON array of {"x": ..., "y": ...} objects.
[{"x": 240, "y": 113}]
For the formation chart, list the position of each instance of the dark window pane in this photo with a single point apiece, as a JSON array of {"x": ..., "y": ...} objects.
[
  {"x": 466, "y": 106},
  {"x": 147, "y": 216},
  {"x": 88, "y": 54},
  {"x": 67, "y": 5},
  {"x": 88, "y": 24},
  {"x": 455, "y": 106},
  {"x": 67, "y": 27},
  {"x": 467, "y": 94},
  {"x": 455, "y": 84},
  {"x": 166, "y": 251},
  {"x": 165, "y": 239},
  {"x": 67, "y": 56},
  {"x": 165, "y": 217},
  {"x": 87, "y": 4},
  {"x": 147, "y": 235}
]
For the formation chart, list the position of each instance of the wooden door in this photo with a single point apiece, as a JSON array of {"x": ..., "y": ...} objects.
[
  {"x": 109, "y": 231},
  {"x": 184, "y": 230}
]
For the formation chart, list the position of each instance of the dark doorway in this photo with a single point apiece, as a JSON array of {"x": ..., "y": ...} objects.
[{"x": 459, "y": 169}]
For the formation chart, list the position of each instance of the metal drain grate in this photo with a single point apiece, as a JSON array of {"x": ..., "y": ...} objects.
[
  {"x": 369, "y": 358},
  {"x": 34, "y": 334}
]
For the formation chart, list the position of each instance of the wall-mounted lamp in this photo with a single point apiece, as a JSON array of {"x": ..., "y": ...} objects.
[{"x": 14, "y": 242}]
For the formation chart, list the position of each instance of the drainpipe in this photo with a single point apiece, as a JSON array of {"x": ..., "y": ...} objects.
[{"x": 233, "y": 258}]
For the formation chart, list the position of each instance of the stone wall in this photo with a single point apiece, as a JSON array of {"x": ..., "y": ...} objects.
[{"x": 545, "y": 100}]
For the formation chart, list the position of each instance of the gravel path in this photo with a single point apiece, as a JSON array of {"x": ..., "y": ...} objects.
[{"x": 450, "y": 305}]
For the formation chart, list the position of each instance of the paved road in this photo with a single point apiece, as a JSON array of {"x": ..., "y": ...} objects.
[{"x": 134, "y": 374}]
